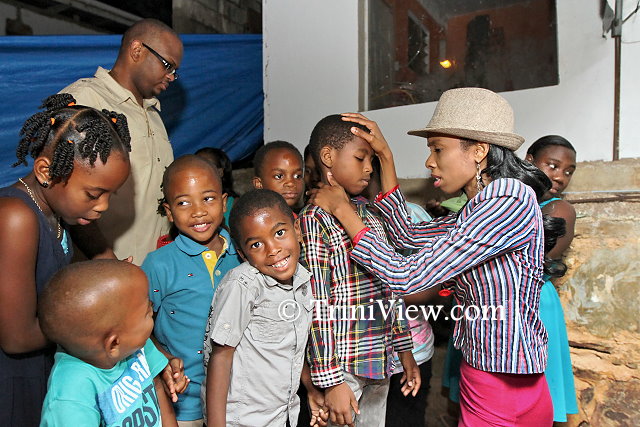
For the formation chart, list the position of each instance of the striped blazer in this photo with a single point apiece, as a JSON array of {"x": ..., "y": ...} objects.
[{"x": 490, "y": 254}]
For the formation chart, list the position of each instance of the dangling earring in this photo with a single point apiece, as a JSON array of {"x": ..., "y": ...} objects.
[
  {"x": 44, "y": 184},
  {"x": 479, "y": 183}
]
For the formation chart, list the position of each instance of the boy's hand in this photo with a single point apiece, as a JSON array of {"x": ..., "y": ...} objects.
[
  {"x": 335, "y": 201},
  {"x": 411, "y": 375},
  {"x": 174, "y": 380},
  {"x": 374, "y": 137},
  {"x": 319, "y": 418},
  {"x": 340, "y": 400},
  {"x": 319, "y": 412}
]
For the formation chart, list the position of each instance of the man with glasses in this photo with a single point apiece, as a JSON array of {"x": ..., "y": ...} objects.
[{"x": 148, "y": 61}]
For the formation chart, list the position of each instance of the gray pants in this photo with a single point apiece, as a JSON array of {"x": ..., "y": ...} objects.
[{"x": 372, "y": 400}]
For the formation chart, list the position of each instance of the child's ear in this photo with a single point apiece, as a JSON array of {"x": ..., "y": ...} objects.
[
  {"x": 224, "y": 202},
  {"x": 296, "y": 227},
  {"x": 244, "y": 258},
  {"x": 326, "y": 156},
  {"x": 167, "y": 210},
  {"x": 41, "y": 169},
  {"x": 257, "y": 182},
  {"x": 529, "y": 158},
  {"x": 112, "y": 346}
]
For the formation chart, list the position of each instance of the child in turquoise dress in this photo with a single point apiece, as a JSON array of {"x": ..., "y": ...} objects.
[{"x": 556, "y": 157}]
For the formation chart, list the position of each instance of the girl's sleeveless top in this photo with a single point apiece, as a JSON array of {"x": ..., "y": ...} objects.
[{"x": 26, "y": 374}]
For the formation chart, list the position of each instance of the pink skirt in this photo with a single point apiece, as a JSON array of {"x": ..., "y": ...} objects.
[{"x": 494, "y": 399}]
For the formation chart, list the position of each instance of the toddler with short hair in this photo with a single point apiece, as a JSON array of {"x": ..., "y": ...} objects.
[{"x": 108, "y": 370}]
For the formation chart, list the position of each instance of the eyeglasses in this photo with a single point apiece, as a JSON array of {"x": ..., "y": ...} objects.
[{"x": 169, "y": 67}]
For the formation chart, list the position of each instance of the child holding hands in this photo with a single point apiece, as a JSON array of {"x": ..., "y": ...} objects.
[
  {"x": 259, "y": 324},
  {"x": 351, "y": 357}
]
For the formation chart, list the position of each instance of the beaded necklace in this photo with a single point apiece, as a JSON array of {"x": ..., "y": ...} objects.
[{"x": 59, "y": 233}]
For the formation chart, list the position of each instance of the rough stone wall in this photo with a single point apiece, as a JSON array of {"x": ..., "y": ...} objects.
[
  {"x": 217, "y": 16},
  {"x": 600, "y": 293}
]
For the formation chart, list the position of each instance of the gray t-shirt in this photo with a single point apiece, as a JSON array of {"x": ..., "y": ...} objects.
[{"x": 268, "y": 324}]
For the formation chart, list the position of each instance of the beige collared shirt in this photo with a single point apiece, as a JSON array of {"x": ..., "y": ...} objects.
[
  {"x": 131, "y": 225},
  {"x": 268, "y": 324}
]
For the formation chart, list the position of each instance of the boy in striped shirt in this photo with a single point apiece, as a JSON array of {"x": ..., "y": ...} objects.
[{"x": 356, "y": 327}]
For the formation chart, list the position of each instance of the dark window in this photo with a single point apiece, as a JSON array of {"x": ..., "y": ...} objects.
[{"x": 417, "y": 49}]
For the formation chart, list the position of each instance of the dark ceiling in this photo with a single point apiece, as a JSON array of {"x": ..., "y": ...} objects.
[{"x": 88, "y": 12}]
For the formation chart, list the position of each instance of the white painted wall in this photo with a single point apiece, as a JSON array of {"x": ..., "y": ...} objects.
[
  {"x": 630, "y": 84},
  {"x": 311, "y": 70},
  {"x": 311, "y": 64}
]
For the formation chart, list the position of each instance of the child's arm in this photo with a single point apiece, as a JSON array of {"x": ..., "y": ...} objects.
[
  {"x": 325, "y": 368},
  {"x": 411, "y": 376},
  {"x": 91, "y": 241},
  {"x": 173, "y": 378},
  {"x": 218, "y": 380},
  {"x": 315, "y": 396},
  {"x": 164, "y": 404},
  {"x": 340, "y": 399},
  {"x": 19, "y": 233},
  {"x": 324, "y": 362},
  {"x": 561, "y": 209},
  {"x": 231, "y": 313}
]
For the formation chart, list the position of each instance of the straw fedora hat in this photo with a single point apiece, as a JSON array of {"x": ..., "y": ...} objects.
[{"x": 476, "y": 114}]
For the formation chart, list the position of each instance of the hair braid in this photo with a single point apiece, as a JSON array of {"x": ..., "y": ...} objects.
[
  {"x": 122, "y": 126},
  {"x": 36, "y": 129},
  {"x": 58, "y": 101},
  {"x": 97, "y": 140},
  {"x": 72, "y": 131},
  {"x": 34, "y": 132},
  {"x": 62, "y": 162}
]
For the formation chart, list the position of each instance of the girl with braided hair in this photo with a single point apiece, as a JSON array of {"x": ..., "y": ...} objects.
[{"x": 80, "y": 158}]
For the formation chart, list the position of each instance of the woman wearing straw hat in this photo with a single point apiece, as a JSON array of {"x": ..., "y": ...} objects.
[{"x": 491, "y": 253}]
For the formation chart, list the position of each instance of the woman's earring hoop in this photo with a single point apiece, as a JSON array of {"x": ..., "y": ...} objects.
[{"x": 479, "y": 183}]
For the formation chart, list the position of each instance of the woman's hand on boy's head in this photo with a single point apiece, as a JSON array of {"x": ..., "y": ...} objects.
[
  {"x": 374, "y": 137},
  {"x": 174, "y": 380}
]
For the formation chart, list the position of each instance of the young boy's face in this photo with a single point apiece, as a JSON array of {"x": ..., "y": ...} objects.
[
  {"x": 351, "y": 165},
  {"x": 196, "y": 203},
  {"x": 311, "y": 177},
  {"x": 282, "y": 172},
  {"x": 271, "y": 243},
  {"x": 135, "y": 328}
]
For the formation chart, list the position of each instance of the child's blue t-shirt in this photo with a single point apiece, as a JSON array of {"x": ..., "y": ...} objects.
[
  {"x": 181, "y": 290},
  {"x": 79, "y": 394}
]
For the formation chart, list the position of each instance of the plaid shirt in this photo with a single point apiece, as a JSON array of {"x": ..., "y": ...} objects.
[{"x": 361, "y": 332}]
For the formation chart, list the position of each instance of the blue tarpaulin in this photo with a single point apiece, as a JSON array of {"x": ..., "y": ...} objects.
[{"x": 217, "y": 101}]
